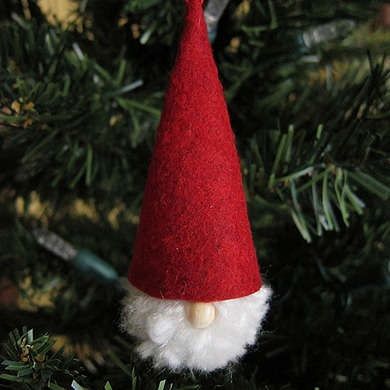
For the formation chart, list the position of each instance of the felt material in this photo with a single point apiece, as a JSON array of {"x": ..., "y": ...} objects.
[{"x": 194, "y": 240}]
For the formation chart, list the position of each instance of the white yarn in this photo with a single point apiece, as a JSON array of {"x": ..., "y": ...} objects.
[{"x": 165, "y": 335}]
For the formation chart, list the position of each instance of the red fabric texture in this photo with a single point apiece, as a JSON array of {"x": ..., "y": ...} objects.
[{"x": 194, "y": 240}]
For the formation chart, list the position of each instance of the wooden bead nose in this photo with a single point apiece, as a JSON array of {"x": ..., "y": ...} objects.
[{"x": 200, "y": 314}]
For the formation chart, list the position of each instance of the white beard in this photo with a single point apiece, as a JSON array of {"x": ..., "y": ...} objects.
[{"x": 166, "y": 336}]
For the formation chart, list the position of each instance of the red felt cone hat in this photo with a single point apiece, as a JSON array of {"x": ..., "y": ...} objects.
[{"x": 194, "y": 240}]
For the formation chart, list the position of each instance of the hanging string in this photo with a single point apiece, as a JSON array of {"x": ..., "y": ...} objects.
[{"x": 213, "y": 13}]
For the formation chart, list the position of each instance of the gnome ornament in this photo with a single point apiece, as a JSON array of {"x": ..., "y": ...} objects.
[{"x": 196, "y": 298}]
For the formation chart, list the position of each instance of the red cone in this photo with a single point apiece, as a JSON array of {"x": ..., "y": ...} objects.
[{"x": 194, "y": 240}]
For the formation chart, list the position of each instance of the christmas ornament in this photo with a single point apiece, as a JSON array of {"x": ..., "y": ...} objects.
[
  {"x": 384, "y": 15},
  {"x": 9, "y": 293},
  {"x": 196, "y": 299}
]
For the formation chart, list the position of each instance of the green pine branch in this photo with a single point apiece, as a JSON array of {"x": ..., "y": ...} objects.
[
  {"x": 29, "y": 362},
  {"x": 323, "y": 177},
  {"x": 58, "y": 105}
]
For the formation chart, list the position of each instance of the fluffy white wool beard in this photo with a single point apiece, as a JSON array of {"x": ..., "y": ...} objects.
[{"x": 166, "y": 336}]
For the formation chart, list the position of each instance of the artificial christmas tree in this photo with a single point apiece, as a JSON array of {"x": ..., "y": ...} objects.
[{"x": 307, "y": 89}]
